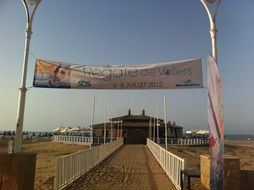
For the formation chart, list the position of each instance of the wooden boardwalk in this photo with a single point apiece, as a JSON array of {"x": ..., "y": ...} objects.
[{"x": 133, "y": 167}]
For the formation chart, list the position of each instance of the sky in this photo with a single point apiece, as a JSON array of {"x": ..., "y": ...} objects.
[{"x": 120, "y": 32}]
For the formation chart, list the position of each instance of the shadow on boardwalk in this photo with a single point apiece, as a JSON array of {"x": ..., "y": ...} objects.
[{"x": 133, "y": 167}]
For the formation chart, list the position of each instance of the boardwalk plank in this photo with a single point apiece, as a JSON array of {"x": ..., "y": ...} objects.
[{"x": 131, "y": 168}]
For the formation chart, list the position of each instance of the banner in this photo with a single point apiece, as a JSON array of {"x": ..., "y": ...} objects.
[
  {"x": 169, "y": 75},
  {"x": 216, "y": 125}
]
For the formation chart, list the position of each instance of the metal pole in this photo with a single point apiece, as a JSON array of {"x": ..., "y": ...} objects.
[
  {"x": 165, "y": 121},
  {"x": 121, "y": 128},
  {"x": 23, "y": 89},
  {"x": 154, "y": 129},
  {"x": 150, "y": 130},
  {"x": 117, "y": 128},
  {"x": 104, "y": 125},
  {"x": 213, "y": 29},
  {"x": 92, "y": 119},
  {"x": 157, "y": 124},
  {"x": 111, "y": 130},
  {"x": 216, "y": 156}
]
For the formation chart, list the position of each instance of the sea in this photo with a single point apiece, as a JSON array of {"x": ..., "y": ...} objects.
[{"x": 239, "y": 137}]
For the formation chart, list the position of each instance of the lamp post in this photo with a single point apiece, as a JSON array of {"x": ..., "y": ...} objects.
[
  {"x": 216, "y": 152},
  {"x": 30, "y": 8},
  {"x": 212, "y": 19}
]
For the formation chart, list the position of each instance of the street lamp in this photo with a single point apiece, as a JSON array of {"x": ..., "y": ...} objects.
[
  {"x": 212, "y": 18},
  {"x": 30, "y": 8},
  {"x": 217, "y": 153}
]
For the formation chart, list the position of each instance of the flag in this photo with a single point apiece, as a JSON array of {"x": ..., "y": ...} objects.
[{"x": 216, "y": 126}]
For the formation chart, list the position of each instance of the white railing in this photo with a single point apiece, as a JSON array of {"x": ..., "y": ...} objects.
[
  {"x": 71, "y": 139},
  {"x": 68, "y": 139},
  {"x": 170, "y": 163},
  {"x": 184, "y": 141},
  {"x": 100, "y": 140},
  {"x": 72, "y": 166}
]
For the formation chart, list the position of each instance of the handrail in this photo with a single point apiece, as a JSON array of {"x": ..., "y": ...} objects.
[
  {"x": 72, "y": 139},
  {"x": 169, "y": 162},
  {"x": 71, "y": 167},
  {"x": 184, "y": 141}
]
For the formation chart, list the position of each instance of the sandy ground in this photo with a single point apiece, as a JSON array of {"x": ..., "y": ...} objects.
[
  {"x": 240, "y": 149},
  {"x": 133, "y": 167},
  {"x": 147, "y": 169},
  {"x": 47, "y": 152}
]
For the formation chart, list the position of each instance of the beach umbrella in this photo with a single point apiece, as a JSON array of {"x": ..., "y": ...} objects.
[
  {"x": 58, "y": 129},
  {"x": 202, "y": 132},
  {"x": 188, "y": 132},
  {"x": 75, "y": 129},
  {"x": 65, "y": 130}
]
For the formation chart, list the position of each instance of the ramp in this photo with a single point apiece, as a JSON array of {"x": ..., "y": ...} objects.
[{"x": 133, "y": 167}]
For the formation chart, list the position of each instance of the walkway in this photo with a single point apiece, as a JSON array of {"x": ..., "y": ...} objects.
[{"x": 133, "y": 167}]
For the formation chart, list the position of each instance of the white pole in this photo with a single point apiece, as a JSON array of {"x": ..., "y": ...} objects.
[
  {"x": 121, "y": 128},
  {"x": 165, "y": 121},
  {"x": 157, "y": 124},
  {"x": 23, "y": 89},
  {"x": 216, "y": 169},
  {"x": 117, "y": 128},
  {"x": 154, "y": 129},
  {"x": 111, "y": 130},
  {"x": 213, "y": 29},
  {"x": 92, "y": 119},
  {"x": 150, "y": 130},
  {"x": 104, "y": 125}
]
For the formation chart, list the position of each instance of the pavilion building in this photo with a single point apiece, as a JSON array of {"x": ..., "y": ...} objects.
[{"x": 136, "y": 128}]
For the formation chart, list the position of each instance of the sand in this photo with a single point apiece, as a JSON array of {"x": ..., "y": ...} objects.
[
  {"x": 133, "y": 167},
  {"x": 240, "y": 149},
  {"x": 47, "y": 152}
]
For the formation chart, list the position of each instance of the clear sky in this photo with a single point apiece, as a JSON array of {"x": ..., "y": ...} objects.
[{"x": 126, "y": 32}]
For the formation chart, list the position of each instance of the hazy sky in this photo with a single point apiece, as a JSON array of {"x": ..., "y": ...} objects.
[{"x": 126, "y": 32}]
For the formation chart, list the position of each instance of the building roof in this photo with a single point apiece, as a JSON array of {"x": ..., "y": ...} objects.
[
  {"x": 141, "y": 117},
  {"x": 130, "y": 120}
]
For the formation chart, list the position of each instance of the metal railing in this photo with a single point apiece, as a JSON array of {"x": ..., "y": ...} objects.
[
  {"x": 170, "y": 163},
  {"x": 100, "y": 140},
  {"x": 184, "y": 141},
  {"x": 71, "y": 139},
  {"x": 72, "y": 166}
]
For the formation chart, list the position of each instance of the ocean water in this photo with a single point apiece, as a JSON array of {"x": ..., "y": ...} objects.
[{"x": 238, "y": 137}]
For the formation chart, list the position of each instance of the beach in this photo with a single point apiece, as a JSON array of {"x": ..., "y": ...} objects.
[
  {"x": 242, "y": 149},
  {"x": 47, "y": 152}
]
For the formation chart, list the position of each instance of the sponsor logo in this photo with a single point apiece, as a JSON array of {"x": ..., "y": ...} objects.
[
  {"x": 187, "y": 83},
  {"x": 84, "y": 83}
]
